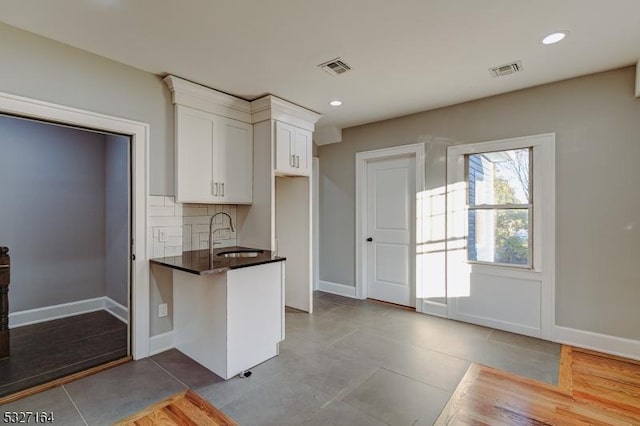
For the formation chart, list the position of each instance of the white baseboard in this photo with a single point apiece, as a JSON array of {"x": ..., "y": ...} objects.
[
  {"x": 500, "y": 325},
  {"x": 431, "y": 308},
  {"x": 605, "y": 343},
  {"x": 116, "y": 309},
  {"x": 339, "y": 289},
  {"x": 64, "y": 310},
  {"x": 161, "y": 342}
]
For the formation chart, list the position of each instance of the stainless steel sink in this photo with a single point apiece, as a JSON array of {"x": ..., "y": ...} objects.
[{"x": 241, "y": 253}]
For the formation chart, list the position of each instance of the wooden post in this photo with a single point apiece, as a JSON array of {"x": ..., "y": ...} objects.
[{"x": 5, "y": 266}]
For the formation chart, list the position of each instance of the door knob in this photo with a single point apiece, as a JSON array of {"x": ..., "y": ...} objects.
[{"x": 369, "y": 239}]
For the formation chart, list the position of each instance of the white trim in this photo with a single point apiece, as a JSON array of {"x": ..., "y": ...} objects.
[
  {"x": 339, "y": 289},
  {"x": 64, "y": 310},
  {"x": 48, "y": 313},
  {"x": 499, "y": 324},
  {"x": 315, "y": 219},
  {"x": 362, "y": 158},
  {"x": 544, "y": 213},
  {"x": 119, "y": 311},
  {"x": 425, "y": 306},
  {"x": 161, "y": 342},
  {"x": 271, "y": 107},
  {"x": 139, "y": 133},
  {"x": 638, "y": 79},
  {"x": 605, "y": 343},
  {"x": 206, "y": 99}
]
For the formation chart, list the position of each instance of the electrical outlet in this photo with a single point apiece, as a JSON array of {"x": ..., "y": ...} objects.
[
  {"x": 163, "y": 310},
  {"x": 163, "y": 236}
]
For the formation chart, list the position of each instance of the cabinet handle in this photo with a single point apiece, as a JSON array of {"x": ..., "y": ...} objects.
[
  {"x": 215, "y": 189},
  {"x": 297, "y": 161},
  {"x": 222, "y": 189},
  {"x": 291, "y": 161}
]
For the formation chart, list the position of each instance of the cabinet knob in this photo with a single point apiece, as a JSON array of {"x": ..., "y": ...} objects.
[{"x": 369, "y": 239}]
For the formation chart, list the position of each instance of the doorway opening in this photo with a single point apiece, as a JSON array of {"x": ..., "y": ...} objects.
[{"x": 66, "y": 219}]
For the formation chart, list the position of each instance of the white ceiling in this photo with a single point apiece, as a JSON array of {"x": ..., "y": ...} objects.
[{"x": 407, "y": 55}]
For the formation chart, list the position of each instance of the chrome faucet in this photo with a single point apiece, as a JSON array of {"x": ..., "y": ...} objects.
[{"x": 212, "y": 231}]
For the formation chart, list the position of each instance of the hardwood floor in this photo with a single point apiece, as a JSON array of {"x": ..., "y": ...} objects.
[
  {"x": 593, "y": 389},
  {"x": 183, "y": 409},
  {"x": 47, "y": 351}
]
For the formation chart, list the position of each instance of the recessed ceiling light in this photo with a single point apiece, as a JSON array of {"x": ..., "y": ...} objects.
[
  {"x": 554, "y": 37},
  {"x": 335, "y": 103}
]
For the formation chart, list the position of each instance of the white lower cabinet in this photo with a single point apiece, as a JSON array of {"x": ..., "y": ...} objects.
[{"x": 230, "y": 322}]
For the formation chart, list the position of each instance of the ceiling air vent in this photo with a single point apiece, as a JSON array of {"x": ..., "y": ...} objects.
[
  {"x": 335, "y": 66},
  {"x": 506, "y": 69}
]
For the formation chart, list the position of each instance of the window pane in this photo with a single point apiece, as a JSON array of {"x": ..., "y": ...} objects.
[
  {"x": 500, "y": 236},
  {"x": 499, "y": 177}
]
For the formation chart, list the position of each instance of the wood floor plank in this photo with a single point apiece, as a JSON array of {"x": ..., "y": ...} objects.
[
  {"x": 186, "y": 408},
  {"x": 593, "y": 389},
  {"x": 564, "y": 373}
]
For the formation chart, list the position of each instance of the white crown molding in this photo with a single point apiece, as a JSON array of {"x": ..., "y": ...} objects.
[
  {"x": 268, "y": 107},
  {"x": 271, "y": 107},
  {"x": 203, "y": 98}
]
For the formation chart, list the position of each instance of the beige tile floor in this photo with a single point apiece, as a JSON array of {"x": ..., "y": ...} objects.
[{"x": 351, "y": 362}]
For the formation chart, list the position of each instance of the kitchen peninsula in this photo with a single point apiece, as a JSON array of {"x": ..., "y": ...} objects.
[{"x": 228, "y": 307}]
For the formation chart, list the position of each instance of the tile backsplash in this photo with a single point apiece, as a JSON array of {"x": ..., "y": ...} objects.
[{"x": 176, "y": 227}]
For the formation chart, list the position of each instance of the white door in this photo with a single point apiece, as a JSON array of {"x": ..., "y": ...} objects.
[{"x": 390, "y": 223}]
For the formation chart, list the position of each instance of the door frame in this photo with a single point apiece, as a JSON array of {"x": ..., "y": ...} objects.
[
  {"x": 544, "y": 262},
  {"x": 362, "y": 159},
  {"x": 139, "y": 134}
]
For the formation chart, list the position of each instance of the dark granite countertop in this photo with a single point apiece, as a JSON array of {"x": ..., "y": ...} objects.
[{"x": 199, "y": 262}]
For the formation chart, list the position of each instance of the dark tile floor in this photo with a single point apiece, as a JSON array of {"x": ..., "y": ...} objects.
[
  {"x": 47, "y": 351},
  {"x": 349, "y": 363}
]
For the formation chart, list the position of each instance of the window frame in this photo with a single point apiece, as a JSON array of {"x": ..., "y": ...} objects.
[{"x": 530, "y": 265}]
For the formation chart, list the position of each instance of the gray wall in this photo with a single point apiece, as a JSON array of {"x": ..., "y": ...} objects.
[
  {"x": 596, "y": 119},
  {"x": 117, "y": 218},
  {"x": 40, "y": 68},
  {"x": 52, "y": 212}
]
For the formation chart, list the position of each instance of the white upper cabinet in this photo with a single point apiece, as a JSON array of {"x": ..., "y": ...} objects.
[
  {"x": 214, "y": 145},
  {"x": 235, "y": 162},
  {"x": 194, "y": 154},
  {"x": 214, "y": 158},
  {"x": 293, "y": 150}
]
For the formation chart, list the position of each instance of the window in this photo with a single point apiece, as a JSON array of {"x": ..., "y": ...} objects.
[{"x": 499, "y": 207}]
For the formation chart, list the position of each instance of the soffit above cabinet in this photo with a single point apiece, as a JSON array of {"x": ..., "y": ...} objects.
[{"x": 268, "y": 107}]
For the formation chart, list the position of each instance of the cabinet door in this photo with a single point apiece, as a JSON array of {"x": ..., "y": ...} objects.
[
  {"x": 302, "y": 152},
  {"x": 194, "y": 135},
  {"x": 285, "y": 135},
  {"x": 235, "y": 161}
]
